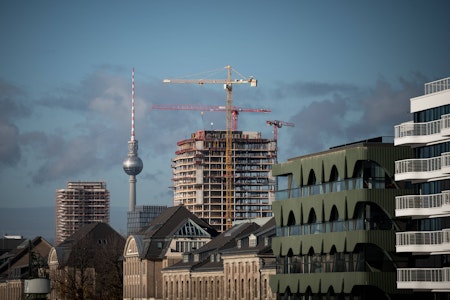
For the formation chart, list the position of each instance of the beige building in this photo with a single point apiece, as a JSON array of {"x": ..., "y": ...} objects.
[
  {"x": 235, "y": 265},
  {"x": 161, "y": 244}
]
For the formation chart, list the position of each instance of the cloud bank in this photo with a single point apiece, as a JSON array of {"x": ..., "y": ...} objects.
[{"x": 90, "y": 139}]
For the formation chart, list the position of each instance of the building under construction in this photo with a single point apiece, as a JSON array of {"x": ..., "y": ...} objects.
[
  {"x": 199, "y": 176},
  {"x": 79, "y": 204}
]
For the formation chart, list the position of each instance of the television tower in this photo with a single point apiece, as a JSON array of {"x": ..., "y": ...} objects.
[{"x": 132, "y": 165}]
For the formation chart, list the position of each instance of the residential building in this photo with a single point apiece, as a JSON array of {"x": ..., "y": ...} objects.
[
  {"x": 23, "y": 270},
  {"x": 79, "y": 204},
  {"x": 426, "y": 235},
  {"x": 8, "y": 243},
  {"x": 234, "y": 265},
  {"x": 88, "y": 264},
  {"x": 160, "y": 244},
  {"x": 141, "y": 216},
  {"x": 335, "y": 223},
  {"x": 199, "y": 172}
]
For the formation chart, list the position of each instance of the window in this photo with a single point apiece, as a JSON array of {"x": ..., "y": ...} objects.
[{"x": 252, "y": 240}]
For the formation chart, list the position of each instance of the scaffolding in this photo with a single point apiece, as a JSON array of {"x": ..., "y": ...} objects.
[
  {"x": 199, "y": 176},
  {"x": 79, "y": 204}
]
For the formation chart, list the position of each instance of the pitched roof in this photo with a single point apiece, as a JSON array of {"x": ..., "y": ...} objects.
[
  {"x": 157, "y": 235},
  {"x": 226, "y": 240},
  {"x": 8, "y": 244},
  {"x": 169, "y": 220},
  {"x": 23, "y": 249},
  {"x": 91, "y": 235}
]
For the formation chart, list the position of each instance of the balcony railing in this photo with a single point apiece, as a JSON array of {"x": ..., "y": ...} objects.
[
  {"x": 330, "y": 187},
  {"x": 422, "y": 133},
  {"x": 422, "y": 205},
  {"x": 417, "y": 129},
  {"x": 437, "y": 86},
  {"x": 335, "y": 226},
  {"x": 424, "y": 279},
  {"x": 423, "y": 241},
  {"x": 422, "y": 168}
]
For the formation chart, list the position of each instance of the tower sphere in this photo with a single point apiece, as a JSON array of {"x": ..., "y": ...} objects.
[{"x": 132, "y": 165}]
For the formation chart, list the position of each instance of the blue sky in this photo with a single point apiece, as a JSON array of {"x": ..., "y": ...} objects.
[{"x": 340, "y": 70}]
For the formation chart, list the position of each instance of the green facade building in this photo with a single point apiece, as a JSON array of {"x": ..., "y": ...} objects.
[{"x": 335, "y": 220}]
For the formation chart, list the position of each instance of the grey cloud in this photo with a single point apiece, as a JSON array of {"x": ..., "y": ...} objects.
[
  {"x": 12, "y": 108},
  {"x": 10, "y": 153},
  {"x": 311, "y": 89},
  {"x": 98, "y": 142},
  {"x": 352, "y": 114}
]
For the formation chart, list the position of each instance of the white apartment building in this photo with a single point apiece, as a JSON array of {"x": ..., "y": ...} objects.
[
  {"x": 79, "y": 204},
  {"x": 427, "y": 232}
]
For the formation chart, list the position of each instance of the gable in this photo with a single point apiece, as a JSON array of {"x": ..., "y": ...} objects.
[{"x": 190, "y": 229}]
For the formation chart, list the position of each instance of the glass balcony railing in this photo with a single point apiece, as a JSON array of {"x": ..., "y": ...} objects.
[
  {"x": 335, "y": 226},
  {"x": 330, "y": 187}
]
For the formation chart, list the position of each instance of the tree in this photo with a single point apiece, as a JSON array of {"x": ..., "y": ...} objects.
[{"x": 93, "y": 269}]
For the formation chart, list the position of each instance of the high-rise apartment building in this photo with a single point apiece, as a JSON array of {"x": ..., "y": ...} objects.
[
  {"x": 427, "y": 209},
  {"x": 335, "y": 224},
  {"x": 199, "y": 173},
  {"x": 80, "y": 203}
]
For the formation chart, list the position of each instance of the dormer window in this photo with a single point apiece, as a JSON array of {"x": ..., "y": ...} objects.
[
  {"x": 239, "y": 244},
  {"x": 252, "y": 240}
]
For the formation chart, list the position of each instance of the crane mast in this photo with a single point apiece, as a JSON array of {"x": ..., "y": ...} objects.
[{"x": 229, "y": 170}]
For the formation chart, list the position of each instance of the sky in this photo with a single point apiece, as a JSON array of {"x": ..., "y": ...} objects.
[{"x": 341, "y": 71}]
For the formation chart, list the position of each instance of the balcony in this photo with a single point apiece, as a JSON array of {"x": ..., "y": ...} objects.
[
  {"x": 424, "y": 242},
  {"x": 411, "y": 133},
  {"x": 437, "y": 86},
  {"x": 416, "y": 134},
  {"x": 328, "y": 187},
  {"x": 430, "y": 279},
  {"x": 423, "y": 169},
  {"x": 423, "y": 206}
]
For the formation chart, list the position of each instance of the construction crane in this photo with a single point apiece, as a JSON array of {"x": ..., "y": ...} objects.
[
  {"x": 278, "y": 124},
  {"x": 229, "y": 172},
  {"x": 234, "y": 112}
]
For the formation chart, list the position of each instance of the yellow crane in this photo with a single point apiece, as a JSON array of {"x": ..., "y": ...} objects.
[{"x": 229, "y": 170}]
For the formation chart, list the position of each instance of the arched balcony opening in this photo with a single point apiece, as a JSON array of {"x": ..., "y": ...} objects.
[
  {"x": 373, "y": 175},
  {"x": 291, "y": 219},
  {"x": 369, "y": 216},
  {"x": 313, "y": 226},
  {"x": 334, "y": 174}
]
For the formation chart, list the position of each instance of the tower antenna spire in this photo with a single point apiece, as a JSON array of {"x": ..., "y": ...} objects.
[
  {"x": 132, "y": 105},
  {"x": 132, "y": 165}
]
